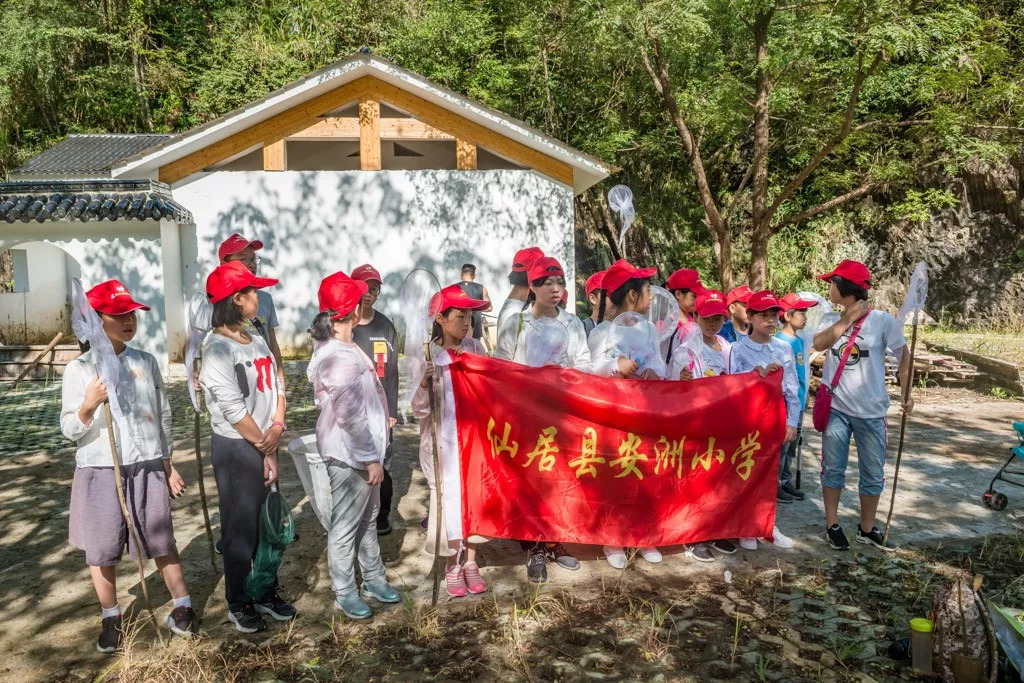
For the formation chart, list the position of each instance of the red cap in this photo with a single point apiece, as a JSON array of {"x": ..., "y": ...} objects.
[
  {"x": 685, "y": 278},
  {"x": 792, "y": 302},
  {"x": 741, "y": 294},
  {"x": 854, "y": 271},
  {"x": 365, "y": 273},
  {"x": 622, "y": 271},
  {"x": 452, "y": 296},
  {"x": 595, "y": 281},
  {"x": 565, "y": 295},
  {"x": 340, "y": 293},
  {"x": 231, "y": 277},
  {"x": 763, "y": 301},
  {"x": 526, "y": 258},
  {"x": 711, "y": 302},
  {"x": 235, "y": 244},
  {"x": 113, "y": 298},
  {"x": 546, "y": 266}
]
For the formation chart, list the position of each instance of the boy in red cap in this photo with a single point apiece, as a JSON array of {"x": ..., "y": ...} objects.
[
  {"x": 594, "y": 290},
  {"x": 860, "y": 401},
  {"x": 794, "y": 319},
  {"x": 518, "y": 278},
  {"x": 736, "y": 326},
  {"x": 144, "y": 445},
  {"x": 246, "y": 401},
  {"x": 376, "y": 335}
]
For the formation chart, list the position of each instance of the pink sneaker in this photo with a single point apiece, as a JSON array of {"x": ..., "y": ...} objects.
[
  {"x": 455, "y": 582},
  {"x": 474, "y": 582}
]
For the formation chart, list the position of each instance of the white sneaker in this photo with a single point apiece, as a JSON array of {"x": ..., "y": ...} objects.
[
  {"x": 616, "y": 556},
  {"x": 748, "y": 543},
  {"x": 651, "y": 555},
  {"x": 781, "y": 540}
]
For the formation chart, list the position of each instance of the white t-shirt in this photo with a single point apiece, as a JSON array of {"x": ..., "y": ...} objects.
[
  {"x": 238, "y": 379},
  {"x": 508, "y": 308},
  {"x": 861, "y": 390}
]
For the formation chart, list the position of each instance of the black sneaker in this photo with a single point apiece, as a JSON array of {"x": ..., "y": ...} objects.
[
  {"x": 781, "y": 496},
  {"x": 383, "y": 526},
  {"x": 218, "y": 548},
  {"x": 700, "y": 552},
  {"x": 723, "y": 546},
  {"x": 246, "y": 620},
  {"x": 875, "y": 538},
  {"x": 182, "y": 622},
  {"x": 793, "y": 491},
  {"x": 537, "y": 565},
  {"x": 836, "y": 538},
  {"x": 562, "y": 558},
  {"x": 110, "y": 636},
  {"x": 276, "y": 608}
]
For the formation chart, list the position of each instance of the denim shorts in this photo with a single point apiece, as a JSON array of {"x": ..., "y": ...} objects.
[{"x": 871, "y": 436}]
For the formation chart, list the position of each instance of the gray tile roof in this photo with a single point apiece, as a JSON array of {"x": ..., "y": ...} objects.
[
  {"x": 68, "y": 200},
  {"x": 95, "y": 154}
]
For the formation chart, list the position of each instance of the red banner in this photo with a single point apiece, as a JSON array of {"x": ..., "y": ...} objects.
[{"x": 559, "y": 455}]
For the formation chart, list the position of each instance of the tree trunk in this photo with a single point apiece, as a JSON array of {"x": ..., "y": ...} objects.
[
  {"x": 723, "y": 247},
  {"x": 757, "y": 275},
  {"x": 760, "y": 234}
]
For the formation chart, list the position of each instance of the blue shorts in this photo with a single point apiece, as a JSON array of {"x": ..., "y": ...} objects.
[{"x": 871, "y": 436}]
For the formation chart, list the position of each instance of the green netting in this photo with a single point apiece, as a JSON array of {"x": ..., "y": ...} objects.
[{"x": 276, "y": 532}]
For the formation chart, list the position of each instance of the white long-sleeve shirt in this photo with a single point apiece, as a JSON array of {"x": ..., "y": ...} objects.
[
  {"x": 145, "y": 432},
  {"x": 706, "y": 363},
  {"x": 353, "y": 422},
  {"x": 238, "y": 379},
  {"x": 747, "y": 354},
  {"x": 604, "y": 357},
  {"x": 512, "y": 334}
]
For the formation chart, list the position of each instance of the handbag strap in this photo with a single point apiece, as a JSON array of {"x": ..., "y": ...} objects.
[{"x": 849, "y": 348}]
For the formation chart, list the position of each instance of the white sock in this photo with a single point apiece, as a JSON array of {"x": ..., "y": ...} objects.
[
  {"x": 110, "y": 611},
  {"x": 183, "y": 602}
]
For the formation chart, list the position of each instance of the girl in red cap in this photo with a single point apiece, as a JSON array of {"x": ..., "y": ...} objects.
[
  {"x": 452, "y": 310},
  {"x": 240, "y": 381},
  {"x": 352, "y": 435},
  {"x": 144, "y": 447},
  {"x": 595, "y": 292},
  {"x": 519, "y": 279}
]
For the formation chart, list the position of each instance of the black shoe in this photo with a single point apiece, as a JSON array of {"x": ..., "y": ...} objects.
[
  {"x": 110, "y": 636},
  {"x": 537, "y": 565},
  {"x": 781, "y": 496},
  {"x": 562, "y": 558},
  {"x": 218, "y": 547},
  {"x": 836, "y": 538},
  {"x": 875, "y": 538},
  {"x": 793, "y": 491},
  {"x": 383, "y": 526},
  {"x": 246, "y": 620},
  {"x": 182, "y": 622},
  {"x": 723, "y": 546},
  {"x": 276, "y": 608},
  {"x": 700, "y": 552}
]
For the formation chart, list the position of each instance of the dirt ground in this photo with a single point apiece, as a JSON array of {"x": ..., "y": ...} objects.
[{"x": 802, "y": 614}]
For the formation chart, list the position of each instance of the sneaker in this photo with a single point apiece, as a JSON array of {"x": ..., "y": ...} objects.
[
  {"x": 793, "y": 491},
  {"x": 781, "y": 540},
  {"x": 276, "y": 608},
  {"x": 875, "y": 538},
  {"x": 353, "y": 606},
  {"x": 247, "y": 619},
  {"x": 652, "y": 555},
  {"x": 700, "y": 552},
  {"x": 381, "y": 591},
  {"x": 455, "y": 582},
  {"x": 562, "y": 558},
  {"x": 748, "y": 543},
  {"x": 781, "y": 496},
  {"x": 218, "y": 547},
  {"x": 616, "y": 556},
  {"x": 836, "y": 538},
  {"x": 537, "y": 565},
  {"x": 182, "y": 622},
  {"x": 110, "y": 636},
  {"x": 723, "y": 546},
  {"x": 474, "y": 582},
  {"x": 383, "y": 526}
]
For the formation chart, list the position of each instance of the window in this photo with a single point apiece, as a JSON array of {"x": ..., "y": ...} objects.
[{"x": 14, "y": 271}]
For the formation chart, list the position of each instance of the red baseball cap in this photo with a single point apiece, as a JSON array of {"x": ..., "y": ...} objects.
[
  {"x": 547, "y": 266},
  {"x": 622, "y": 271},
  {"x": 235, "y": 244},
  {"x": 741, "y": 294},
  {"x": 685, "y": 278},
  {"x": 854, "y": 271},
  {"x": 526, "y": 258},
  {"x": 711, "y": 302},
  {"x": 595, "y": 281},
  {"x": 340, "y": 293},
  {"x": 792, "y": 302},
  {"x": 113, "y": 298},
  {"x": 231, "y": 277},
  {"x": 452, "y": 296},
  {"x": 365, "y": 273},
  {"x": 763, "y": 301}
]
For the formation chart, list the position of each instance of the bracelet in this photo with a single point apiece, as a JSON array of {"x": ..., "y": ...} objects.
[{"x": 278, "y": 423}]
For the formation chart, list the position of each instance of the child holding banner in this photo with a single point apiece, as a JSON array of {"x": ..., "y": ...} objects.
[
  {"x": 794, "y": 319},
  {"x": 452, "y": 310},
  {"x": 685, "y": 286}
]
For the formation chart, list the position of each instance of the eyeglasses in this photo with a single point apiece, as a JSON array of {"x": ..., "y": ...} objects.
[
  {"x": 374, "y": 290},
  {"x": 250, "y": 260}
]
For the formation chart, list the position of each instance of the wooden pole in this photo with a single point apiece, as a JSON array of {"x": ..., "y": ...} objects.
[
  {"x": 128, "y": 520},
  {"x": 202, "y": 486},
  {"x": 38, "y": 359},
  {"x": 434, "y": 416},
  {"x": 903, "y": 425}
]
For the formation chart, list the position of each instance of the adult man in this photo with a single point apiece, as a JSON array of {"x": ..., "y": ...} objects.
[
  {"x": 375, "y": 334},
  {"x": 475, "y": 290}
]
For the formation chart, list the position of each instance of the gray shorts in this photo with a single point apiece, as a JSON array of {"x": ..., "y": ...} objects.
[{"x": 97, "y": 525}]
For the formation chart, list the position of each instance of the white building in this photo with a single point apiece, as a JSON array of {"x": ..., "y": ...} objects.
[{"x": 362, "y": 161}]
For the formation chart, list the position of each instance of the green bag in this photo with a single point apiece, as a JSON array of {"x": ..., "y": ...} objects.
[{"x": 276, "y": 532}]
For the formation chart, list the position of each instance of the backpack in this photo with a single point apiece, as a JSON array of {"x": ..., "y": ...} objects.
[{"x": 949, "y": 627}]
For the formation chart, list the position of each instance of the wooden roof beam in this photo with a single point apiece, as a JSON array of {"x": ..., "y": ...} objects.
[{"x": 347, "y": 128}]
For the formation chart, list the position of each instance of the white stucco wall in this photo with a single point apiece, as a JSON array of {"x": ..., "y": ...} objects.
[
  {"x": 314, "y": 223},
  {"x": 35, "y": 315}
]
